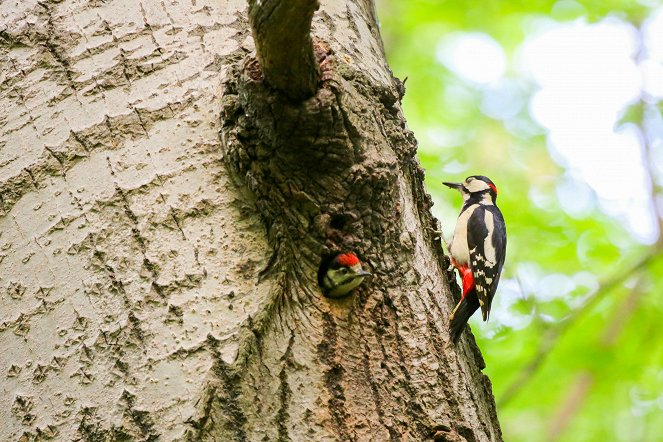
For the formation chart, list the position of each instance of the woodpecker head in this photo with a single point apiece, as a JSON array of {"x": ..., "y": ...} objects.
[
  {"x": 339, "y": 274},
  {"x": 476, "y": 186}
]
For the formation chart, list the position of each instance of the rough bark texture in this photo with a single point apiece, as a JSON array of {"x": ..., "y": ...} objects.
[{"x": 162, "y": 216}]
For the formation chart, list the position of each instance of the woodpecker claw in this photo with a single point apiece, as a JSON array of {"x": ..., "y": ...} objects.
[
  {"x": 446, "y": 263},
  {"x": 437, "y": 234}
]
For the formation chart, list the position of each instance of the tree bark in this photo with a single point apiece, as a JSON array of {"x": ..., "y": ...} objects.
[{"x": 163, "y": 211}]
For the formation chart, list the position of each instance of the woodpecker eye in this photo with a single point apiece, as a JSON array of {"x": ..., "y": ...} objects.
[{"x": 343, "y": 270}]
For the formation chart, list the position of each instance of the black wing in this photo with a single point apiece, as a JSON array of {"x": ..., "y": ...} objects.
[
  {"x": 486, "y": 253},
  {"x": 325, "y": 264}
]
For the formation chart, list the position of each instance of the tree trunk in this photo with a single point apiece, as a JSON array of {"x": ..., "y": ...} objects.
[{"x": 163, "y": 211}]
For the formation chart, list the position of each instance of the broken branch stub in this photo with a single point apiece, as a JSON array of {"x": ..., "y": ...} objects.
[{"x": 282, "y": 35}]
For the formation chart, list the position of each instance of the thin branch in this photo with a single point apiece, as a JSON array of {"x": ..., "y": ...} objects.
[
  {"x": 586, "y": 379},
  {"x": 551, "y": 337},
  {"x": 581, "y": 388},
  {"x": 282, "y": 34}
]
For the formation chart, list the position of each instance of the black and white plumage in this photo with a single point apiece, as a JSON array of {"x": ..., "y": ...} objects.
[{"x": 477, "y": 249}]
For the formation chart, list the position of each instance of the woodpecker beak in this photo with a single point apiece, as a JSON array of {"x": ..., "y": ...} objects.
[
  {"x": 362, "y": 273},
  {"x": 456, "y": 186}
]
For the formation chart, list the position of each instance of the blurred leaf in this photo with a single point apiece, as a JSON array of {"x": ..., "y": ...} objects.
[
  {"x": 465, "y": 128},
  {"x": 633, "y": 114}
]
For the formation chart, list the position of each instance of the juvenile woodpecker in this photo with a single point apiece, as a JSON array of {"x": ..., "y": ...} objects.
[
  {"x": 339, "y": 274},
  {"x": 477, "y": 249}
]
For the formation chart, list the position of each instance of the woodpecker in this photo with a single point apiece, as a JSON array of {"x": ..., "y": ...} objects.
[
  {"x": 477, "y": 249},
  {"x": 339, "y": 274}
]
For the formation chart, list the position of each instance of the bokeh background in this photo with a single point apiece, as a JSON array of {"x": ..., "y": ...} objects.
[{"x": 559, "y": 103}]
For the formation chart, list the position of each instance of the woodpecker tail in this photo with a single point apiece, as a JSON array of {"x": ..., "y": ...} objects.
[{"x": 461, "y": 314}]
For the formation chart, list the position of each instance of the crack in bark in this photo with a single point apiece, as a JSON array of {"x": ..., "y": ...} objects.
[
  {"x": 413, "y": 408},
  {"x": 138, "y": 237},
  {"x": 377, "y": 401},
  {"x": 333, "y": 378},
  {"x": 140, "y": 418},
  {"x": 93, "y": 138},
  {"x": 228, "y": 397},
  {"x": 285, "y": 394}
]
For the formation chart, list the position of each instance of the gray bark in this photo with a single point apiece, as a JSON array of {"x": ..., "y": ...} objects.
[{"x": 162, "y": 215}]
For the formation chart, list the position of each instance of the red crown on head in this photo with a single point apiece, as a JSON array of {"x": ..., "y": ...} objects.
[{"x": 347, "y": 259}]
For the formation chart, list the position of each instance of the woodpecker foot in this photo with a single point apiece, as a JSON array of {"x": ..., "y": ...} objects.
[
  {"x": 446, "y": 263},
  {"x": 454, "y": 265},
  {"x": 437, "y": 234}
]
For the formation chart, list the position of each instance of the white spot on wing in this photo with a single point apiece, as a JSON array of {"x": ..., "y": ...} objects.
[{"x": 488, "y": 248}]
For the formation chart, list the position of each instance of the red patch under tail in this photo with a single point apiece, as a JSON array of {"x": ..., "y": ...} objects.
[
  {"x": 468, "y": 280},
  {"x": 466, "y": 276}
]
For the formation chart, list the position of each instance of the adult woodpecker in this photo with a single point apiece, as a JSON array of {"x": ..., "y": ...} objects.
[
  {"x": 477, "y": 249},
  {"x": 339, "y": 274}
]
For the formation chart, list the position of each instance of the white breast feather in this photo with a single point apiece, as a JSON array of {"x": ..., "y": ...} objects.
[{"x": 458, "y": 246}]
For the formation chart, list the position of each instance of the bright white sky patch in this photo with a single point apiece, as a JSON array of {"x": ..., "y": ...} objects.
[
  {"x": 587, "y": 77},
  {"x": 575, "y": 196},
  {"x": 653, "y": 35},
  {"x": 474, "y": 56},
  {"x": 652, "y": 73},
  {"x": 652, "y": 68}
]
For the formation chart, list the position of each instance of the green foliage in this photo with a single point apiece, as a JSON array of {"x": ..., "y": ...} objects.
[{"x": 585, "y": 339}]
